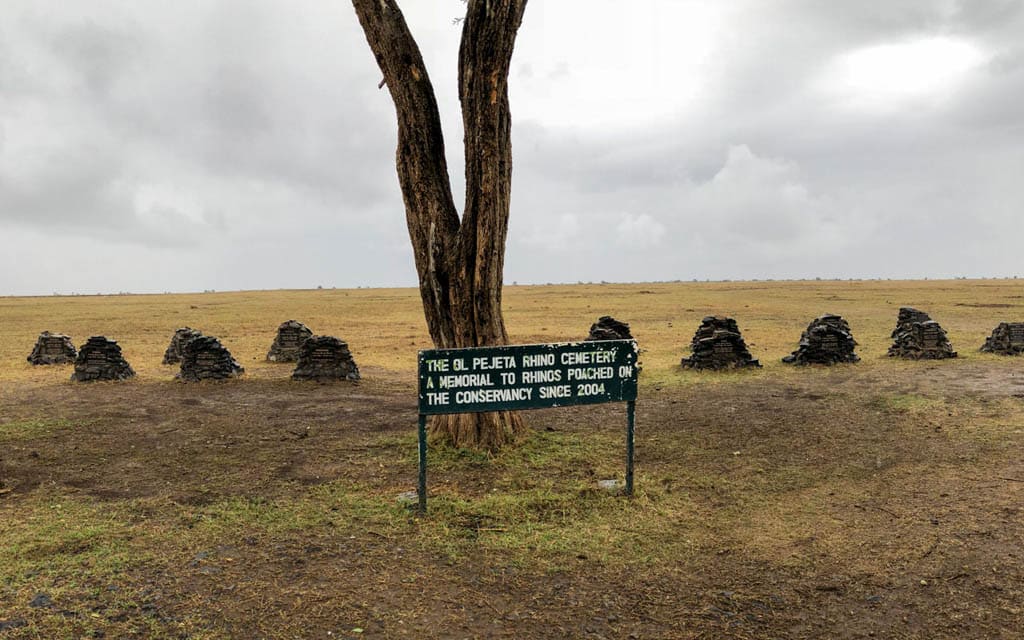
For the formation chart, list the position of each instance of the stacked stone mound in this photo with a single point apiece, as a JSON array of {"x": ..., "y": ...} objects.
[
  {"x": 918, "y": 337},
  {"x": 100, "y": 359},
  {"x": 718, "y": 344},
  {"x": 205, "y": 358},
  {"x": 324, "y": 358},
  {"x": 177, "y": 345},
  {"x": 1006, "y": 339},
  {"x": 827, "y": 340},
  {"x": 290, "y": 336},
  {"x": 52, "y": 348},
  {"x": 608, "y": 328}
]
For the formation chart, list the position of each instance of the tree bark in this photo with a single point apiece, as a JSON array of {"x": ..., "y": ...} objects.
[{"x": 459, "y": 263}]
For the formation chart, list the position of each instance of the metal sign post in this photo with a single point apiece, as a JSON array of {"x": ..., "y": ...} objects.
[
  {"x": 421, "y": 485},
  {"x": 630, "y": 431},
  {"x": 536, "y": 376}
]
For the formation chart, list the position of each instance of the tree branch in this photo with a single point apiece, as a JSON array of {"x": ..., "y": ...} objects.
[
  {"x": 485, "y": 55},
  {"x": 422, "y": 169}
]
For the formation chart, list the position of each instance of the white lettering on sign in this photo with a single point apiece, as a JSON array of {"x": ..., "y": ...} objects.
[
  {"x": 526, "y": 377},
  {"x": 590, "y": 389},
  {"x": 438, "y": 399},
  {"x": 561, "y": 391},
  {"x": 544, "y": 375},
  {"x": 465, "y": 380},
  {"x": 539, "y": 360},
  {"x": 437, "y": 365},
  {"x": 601, "y": 373},
  {"x": 494, "y": 362},
  {"x": 588, "y": 357},
  {"x": 493, "y": 395}
]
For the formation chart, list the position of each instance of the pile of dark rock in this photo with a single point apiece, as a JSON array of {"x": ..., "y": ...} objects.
[
  {"x": 100, "y": 359},
  {"x": 827, "y": 340},
  {"x": 718, "y": 344},
  {"x": 290, "y": 337},
  {"x": 52, "y": 348},
  {"x": 205, "y": 358},
  {"x": 1006, "y": 339},
  {"x": 324, "y": 358},
  {"x": 608, "y": 328},
  {"x": 918, "y": 337},
  {"x": 177, "y": 345}
]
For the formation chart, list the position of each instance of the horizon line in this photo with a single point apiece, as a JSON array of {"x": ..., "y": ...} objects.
[{"x": 693, "y": 281}]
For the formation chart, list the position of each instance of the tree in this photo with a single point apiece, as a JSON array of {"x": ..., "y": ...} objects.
[{"x": 459, "y": 262}]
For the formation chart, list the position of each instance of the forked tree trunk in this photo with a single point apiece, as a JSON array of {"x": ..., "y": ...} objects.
[{"x": 459, "y": 262}]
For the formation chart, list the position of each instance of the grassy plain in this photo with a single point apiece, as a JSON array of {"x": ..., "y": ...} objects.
[{"x": 881, "y": 499}]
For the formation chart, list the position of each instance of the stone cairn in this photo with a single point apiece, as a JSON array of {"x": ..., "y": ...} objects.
[
  {"x": 1007, "y": 339},
  {"x": 177, "y": 345},
  {"x": 205, "y": 358},
  {"x": 100, "y": 359},
  {"x": 290, "y": 336},
  {"x": 324, "y": 358},
  {"x": 718, "y": 344},
  {"x": 918, "y": 337},
  {"x": 827, "y": 340},
  {"x": 608, "y": 328},
  {"x": 52, "y": 348}
]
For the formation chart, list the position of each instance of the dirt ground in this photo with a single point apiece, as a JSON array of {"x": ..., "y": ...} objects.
[{"x": 880, "y": 501}]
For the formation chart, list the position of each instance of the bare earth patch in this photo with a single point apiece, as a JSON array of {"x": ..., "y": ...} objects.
[
  {"x": 826, "y": 505},
  {"x": 876, "y": 500}
]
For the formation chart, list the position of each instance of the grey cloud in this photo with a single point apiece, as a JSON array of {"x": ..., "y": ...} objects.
[
  {"x": 259, "y": 126},
  {"x": 852, "y": 23},
  {"x": 99, "y": 55},
  {"x": 82, "y": 197},
  {"x": 227, "y": 109},
  {"x": 988, "y": 16}
]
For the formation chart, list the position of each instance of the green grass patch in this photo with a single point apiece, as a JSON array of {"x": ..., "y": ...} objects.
[
  {"x": 552, "y": 450},
  {"x": 68, "y": 537},
  {"x": 906, "y": 403},
  {"x": 29, "y": 429},
  {"x": 554, "y": 527}
]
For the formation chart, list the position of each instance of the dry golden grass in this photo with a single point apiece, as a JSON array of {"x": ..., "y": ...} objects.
[
  {"x": 385, "y": 327},
  {"x": 878, "y": 498}
]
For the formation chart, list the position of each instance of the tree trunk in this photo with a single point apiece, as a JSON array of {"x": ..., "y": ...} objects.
[{"x": 459, "y": 263}]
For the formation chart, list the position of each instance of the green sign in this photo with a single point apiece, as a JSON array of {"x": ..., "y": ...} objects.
[{"x": 534, "y": 376}]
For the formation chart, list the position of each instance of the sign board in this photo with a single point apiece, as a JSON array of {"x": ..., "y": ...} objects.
[{"x": 533, "y": 376}]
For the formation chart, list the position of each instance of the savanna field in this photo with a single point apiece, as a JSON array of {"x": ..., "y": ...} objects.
[{"x": 883, "y": 499}]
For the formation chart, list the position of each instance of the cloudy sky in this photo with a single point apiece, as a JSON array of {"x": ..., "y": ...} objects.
[{"x": 243, "y": 144}]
